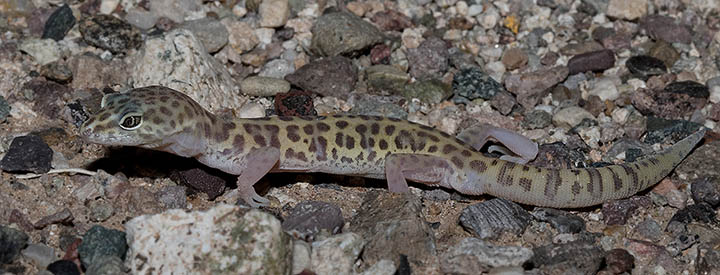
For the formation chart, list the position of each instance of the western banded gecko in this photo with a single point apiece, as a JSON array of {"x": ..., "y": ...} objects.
[{"x": 163, "y": 119}]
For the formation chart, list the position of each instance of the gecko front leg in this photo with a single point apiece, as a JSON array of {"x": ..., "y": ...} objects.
[
  {"x": 258, "y": 163},
  {"x": 425, "y": 169}
]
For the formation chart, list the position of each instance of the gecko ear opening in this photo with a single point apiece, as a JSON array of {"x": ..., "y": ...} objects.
[{"x": 130, "y": 121}]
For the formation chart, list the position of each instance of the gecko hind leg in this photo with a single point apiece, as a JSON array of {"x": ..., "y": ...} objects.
[
  {"x": 517, "y": 148},
  {"x": 259, "y": 162},
  {"x": 425, "y": 169}
]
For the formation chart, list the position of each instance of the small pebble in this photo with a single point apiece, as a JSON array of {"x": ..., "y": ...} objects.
[
  {"x": 63, "y": 267},
  {"x": 295, "y": 103},
  {"x": 562, "y": 221},
  {"x": 706, "y": 190},
  {"x": 473, "y": 255},
  {"x": 12, "y": 241},
  {"x": 617, "y": 212},
  {"x": 428, "y": 60},
  {"x": 59, "y": 23},
  {"x": 341, "y": 33},
  {"x": 42, "y": 255},
  {"x": 570, "y": 117},
  {"x": 472, "y": 83},
  {"x": 592, "y": 61},
  {"x": 309, "y": 218},
  {"x": 200, "y": 180},
  {"x": 537, "y": 119},
  {"x": 110, "y": 33},
  {"x": 99, "y": 243},
  {"x": 643, "y": 66},
  {"x": 339, "y": 76},
  {"x": 27, "y": 154},
  {"x": 264, "y": 86},
  {"x": 490, "y": 219}
]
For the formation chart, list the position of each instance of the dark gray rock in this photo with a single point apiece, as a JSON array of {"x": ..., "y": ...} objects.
[
  {"x": 708, "y": 259},
  {"x": 681, "y": 242},
  {"x": 309, "y": 218},
  {"x": 472, "y": 83},
  {"x": 340, "y": 33},
  {"x": 59, "y": 23},
  {"x": 173, "y": 196},
  {"x": 643, "y": 66},
  {"x": 617, "y": 212},
  {"x": 391, "y": 234},
  {"x": 537, "y": 119},
  {"x": 504, "y": 102},
  {"x": 578, "y": 257},
  {"x": 198, "y": 179},
  {"x": 690, "y": 88},
  {"x": 332, "y": 76},
  {"x": 701, "y": 213},
  {"x": 562, "y": 221},
  {"x": 4, "y": 109},
  {"x": 707, "y": 190},
  {"x": 663, "y": 130},
  {"x": 12, "y": 241},
  {"x": 27, "y": 154},
  {"x": 490, "y": 219},
  {"x": 665, "y": 28},
  {"x": 99, "y": 243},
  {"x": 429, "y": 60},
  {"x": 110, "y": 33},
  {"x": 591, "y": 62},
  {"x": 63, "y": 267},
  {"x": 618, "y": 261},
  {"x": 649, "y": 230}
]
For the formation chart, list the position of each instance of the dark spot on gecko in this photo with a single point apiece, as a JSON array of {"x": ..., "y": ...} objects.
[
  {"x": 617, "y": 182},
  {"x": 251, "y": 129},
  {"x": 165, "y": 111},
  {"x": 226, "y": 152},
  {"x": 322, "y": 146},
  {"x": 478, "y": 165},
  {"x": 457, "y": 161},
  {"x": 494, "y": 162},
  {"x": 426, "y": 128},
  {"x": 526, "y": 184},
  {"x": 345, "y": 159},
  {"x": 389, "y": 130},
  {"x": 308, "y": 129},
  {"x": 339, "y": 139},
  {"x": 285, "y": 118},
  {"x": 466, "y": 153},
  {"x": 364, "y": 117},
  {"x": 104, "y": 116},
  {"x": 158, "y": 120},
  {"x": 525, "y": 168},
  {"x": 374, "y": 128},
  {"x": 383, "y": 144},
  {"x": 273, "y": 131},
  {"x": 164, "y": 98},
  {"x": 371, "y": 142},
  {"x": 292, "y": 134},
  {"x": 173, "y": 124},
  {"x": 432, "y": 149},
  {"x": 372, "y": 156},
  {"x": 394, "y": 119},
  {"x": 361, "y": 129},
  {"x": 259, "y": 140},
  {"x": 654, "y": 161},
  {"x": 595, "y": 178},
  {"x": 404, "y": 139},
  {"x": 323, "y": 127},
  {"x": 448, "y": 148},
  {"x": 350, "y": 142},
  {"x": 189, "y": 112},
  {"x": 552, "y": 184},
  {"x": 576, "y": 187},
  {"x": 505, "y": 176},
  {"x": 175, "y": 104},
  {"x": 445, "y": 135},
  {"x": 308, "y": 118},
  {"x": 334, "y": 153},
  {"x": 301, "y": 156},
  {"x": 341, "y": 124},
  {"x": 633, "y": 175},
  {"x": 360, "y": 156}
]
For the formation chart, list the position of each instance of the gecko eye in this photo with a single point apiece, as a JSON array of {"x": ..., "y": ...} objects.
[{"x": 131, "y": 122}]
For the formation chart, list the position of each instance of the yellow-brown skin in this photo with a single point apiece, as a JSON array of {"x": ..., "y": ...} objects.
[{"x": 373, "y": 147}]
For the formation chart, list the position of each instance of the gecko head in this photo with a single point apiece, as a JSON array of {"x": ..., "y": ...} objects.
[{"x": 145, "y": 117}]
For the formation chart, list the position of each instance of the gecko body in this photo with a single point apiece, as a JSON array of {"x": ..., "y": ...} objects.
[{"x": 162, "y": 119}]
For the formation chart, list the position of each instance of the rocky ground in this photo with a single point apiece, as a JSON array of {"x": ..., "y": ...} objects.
[{"x": 593, "y": 82}]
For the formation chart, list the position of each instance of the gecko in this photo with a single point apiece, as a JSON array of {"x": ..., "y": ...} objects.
[{"x": 160, "y": 118}]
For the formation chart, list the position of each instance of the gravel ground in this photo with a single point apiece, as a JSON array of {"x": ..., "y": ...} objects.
[{"x": 592, "y": 82}]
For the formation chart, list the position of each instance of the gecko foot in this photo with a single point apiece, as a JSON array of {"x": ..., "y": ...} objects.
[{"x": 248, "y": 195}]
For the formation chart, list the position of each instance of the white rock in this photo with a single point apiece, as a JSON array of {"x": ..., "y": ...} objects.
[
  {"x": 264, "y": 35},
  {"x": 141, "y": 19},
  {"x": 277, "y": 68},
  {"x": 251, "y": 110},
  {"x": 179, "y": 61},
  {"x": 571, "y": 116},
  {"x": 489, "y": 18},
  {"x": 475, "y": 10},
  {"x": 108, "y": 6},
  {"x": 44, "y": 51},
  {"x": 274, "y": 13},
  {"x": 605, "y": 89},
  {"x": 301, "y": 256},
  {"x": 382, "y": 267},
  {"x": 221, "y": 240},
  {"x": 620, "y": 115},
  {"x": 462, "y": 8},
  {"x": 336, "y": 254},
  {"x": 242, "y": 36},
  {"x": 412, "y": 37},
  {"x": 714, "y": 86}
]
